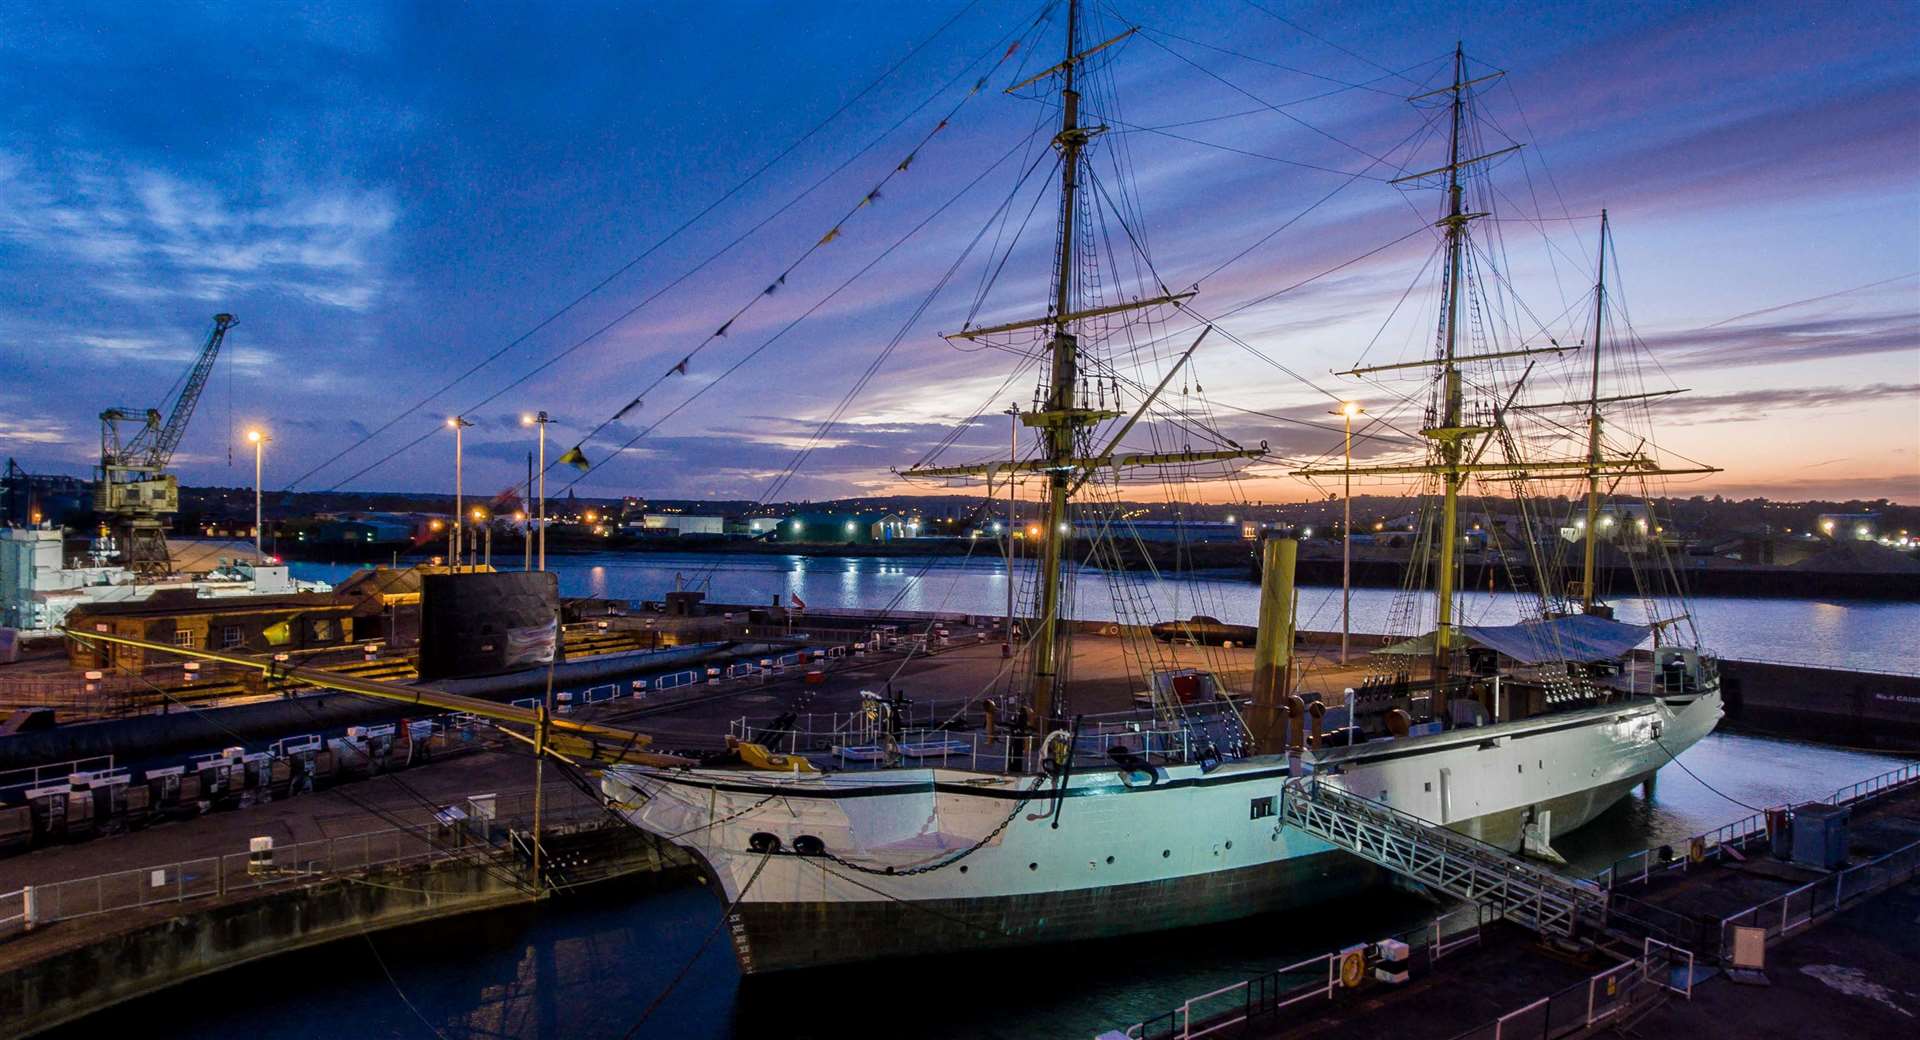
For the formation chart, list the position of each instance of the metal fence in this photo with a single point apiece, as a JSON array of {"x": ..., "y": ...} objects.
[
  {"x": 1608, "y": 994},
  {"x": 1257, "y": 1003},
  {"x": 36, "y": 776},
  {"x": 37, "y": 905},
  {"x": 1793, "y": 910},
  {"x": 1711, "y": 846}
]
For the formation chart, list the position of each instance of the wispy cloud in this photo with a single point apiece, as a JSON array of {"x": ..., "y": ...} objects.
[
  {"x": 1779, "y": 342},
  {"x": 142, "y": 233},
  {"x": 1754, "y": 405}
]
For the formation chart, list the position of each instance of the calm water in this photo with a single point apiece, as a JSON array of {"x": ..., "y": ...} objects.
[
  {"x": 1838, "y": 633},
  {"x": 578, "y": 970}
]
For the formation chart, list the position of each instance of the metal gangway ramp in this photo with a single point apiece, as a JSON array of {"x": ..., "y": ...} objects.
[{"x": 1462, "y": 867}]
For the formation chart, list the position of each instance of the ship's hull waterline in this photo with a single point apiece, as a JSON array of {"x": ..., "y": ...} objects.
[{"x": 1109, "y": 859}]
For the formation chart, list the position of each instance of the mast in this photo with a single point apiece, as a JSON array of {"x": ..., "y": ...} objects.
[
  {"x": 1061, "y": 419},
  {"x": 1058, "y": 419},
  {"x": 1451, "y": 431},
  {"x": 1591, "y": 539}
]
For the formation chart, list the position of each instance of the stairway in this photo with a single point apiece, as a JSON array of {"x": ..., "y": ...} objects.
[{"x": 1465, "y": 868}]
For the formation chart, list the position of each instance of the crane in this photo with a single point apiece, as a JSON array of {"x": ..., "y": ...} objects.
[{"x": 133, "y": 492}]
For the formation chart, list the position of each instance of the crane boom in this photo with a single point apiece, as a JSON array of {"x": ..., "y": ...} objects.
[
  {"x": 134, "y": 490},
  {"x": 183, "y": 406}
]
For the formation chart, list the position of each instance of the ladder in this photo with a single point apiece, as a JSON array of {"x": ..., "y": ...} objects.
[{"x": 1465, "y": 868}]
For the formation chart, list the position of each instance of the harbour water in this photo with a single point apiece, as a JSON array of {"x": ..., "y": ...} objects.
[{"x": 1866, "y": 635}]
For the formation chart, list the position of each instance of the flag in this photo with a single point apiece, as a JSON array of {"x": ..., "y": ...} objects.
[
  {"x": 908, "y": 161},
  {"x": 723, "y": 329},
  {"x": 682, "y": 366},
  {"x": 577, "y": 459},
  {"x": 631, "y": 405},
  {"x": 1011, "y": 47},
  {"x": 829, "y": 236},
  {"x": 798, "y": 603}
]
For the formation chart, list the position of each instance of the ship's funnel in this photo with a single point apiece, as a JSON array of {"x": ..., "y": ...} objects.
[{"x": 1273, "y": 647}]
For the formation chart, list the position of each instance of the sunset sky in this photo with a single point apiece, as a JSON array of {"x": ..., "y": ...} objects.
[{"x": 387, "y": 194}]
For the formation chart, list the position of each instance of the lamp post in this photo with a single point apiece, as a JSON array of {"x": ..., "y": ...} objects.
[
  {"x": 458, "y": 423},
  {"x": 259, "y": 442},
  {"x": 526, "y": 532},
  {"x": 1347, "y": 411},
  {"x": 480, "y": 521},
  {"x": 541, "y": 420}
]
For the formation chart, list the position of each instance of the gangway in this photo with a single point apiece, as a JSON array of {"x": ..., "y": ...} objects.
[{"x": 1463, "y": 867}]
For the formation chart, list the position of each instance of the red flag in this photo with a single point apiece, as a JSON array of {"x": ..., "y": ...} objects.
[{"x": 798, "y": 603}]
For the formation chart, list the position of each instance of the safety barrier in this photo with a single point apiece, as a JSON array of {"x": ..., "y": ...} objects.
[
  {"x": 1711, "y": 846},
  {"x": 35, "y": 776},
  {"x": 675, "y": 680},
  {"x": 38, "y": 905},
  {"x": 1787, "y": 913},
  {"x": 1256, "y": 1003},
  {"x": 1607, "y": 994},
  {"x": 1442, "y": 942}
]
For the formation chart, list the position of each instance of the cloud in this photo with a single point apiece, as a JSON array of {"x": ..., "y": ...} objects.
[
  {"x": 37, "y": 430},
  {"x": 143, "y": 234},
  {"x": 1754, "y": 405},
  {"x": 1779, "y": 342}
]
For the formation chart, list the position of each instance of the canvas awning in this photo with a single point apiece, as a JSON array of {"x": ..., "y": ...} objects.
[{"x": 1580, "y": 637}]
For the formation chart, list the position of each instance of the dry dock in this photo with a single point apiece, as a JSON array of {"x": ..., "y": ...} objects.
[{"x": 1841, "y": 954}]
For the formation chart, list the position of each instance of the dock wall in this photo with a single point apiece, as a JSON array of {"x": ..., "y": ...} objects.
[
  {"x": 71, "y": 968},
  {"x": 1865, "y": 709},
  {"x": 92, "y": 972}
]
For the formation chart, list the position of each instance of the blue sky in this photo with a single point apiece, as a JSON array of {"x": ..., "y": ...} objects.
[{"x": 387, "y": 194}]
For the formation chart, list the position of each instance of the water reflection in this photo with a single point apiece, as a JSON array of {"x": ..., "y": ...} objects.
[{"x": 1834, "y": 633}]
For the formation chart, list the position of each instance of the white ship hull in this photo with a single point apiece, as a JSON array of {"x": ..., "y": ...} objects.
[{"x": 1191, "y": 848}]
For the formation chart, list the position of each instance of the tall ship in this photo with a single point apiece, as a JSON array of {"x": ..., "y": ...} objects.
[{"x": 1080, "y": 825}]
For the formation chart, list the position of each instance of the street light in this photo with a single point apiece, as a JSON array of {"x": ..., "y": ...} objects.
[
  {"x": 541, "y": 420},
  {"x": 458, "y": 423},
  {"x": 259, "y": 441},
  {"x": 1346, "y": 412},
  {"x": 480, "y": 521}
]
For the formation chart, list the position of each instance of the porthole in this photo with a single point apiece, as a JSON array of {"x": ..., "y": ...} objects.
[
  {"x": 1166, "y": 853},
  {"x": 963, "y": 868},
  {"x": 1229, "y": 846},
  {"x": 1109, "y": 861},
  {"x": 1033, "y": 866}
]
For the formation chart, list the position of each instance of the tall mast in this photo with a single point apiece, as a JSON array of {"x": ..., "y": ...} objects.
[
  {"x": 1452, "y": 429},
  {"x": 1591, "y": 538},
  {"x": 1059, "y": 418}
]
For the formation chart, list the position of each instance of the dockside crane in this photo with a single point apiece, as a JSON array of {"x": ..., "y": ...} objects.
[{"x": 132, "y": 491}]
